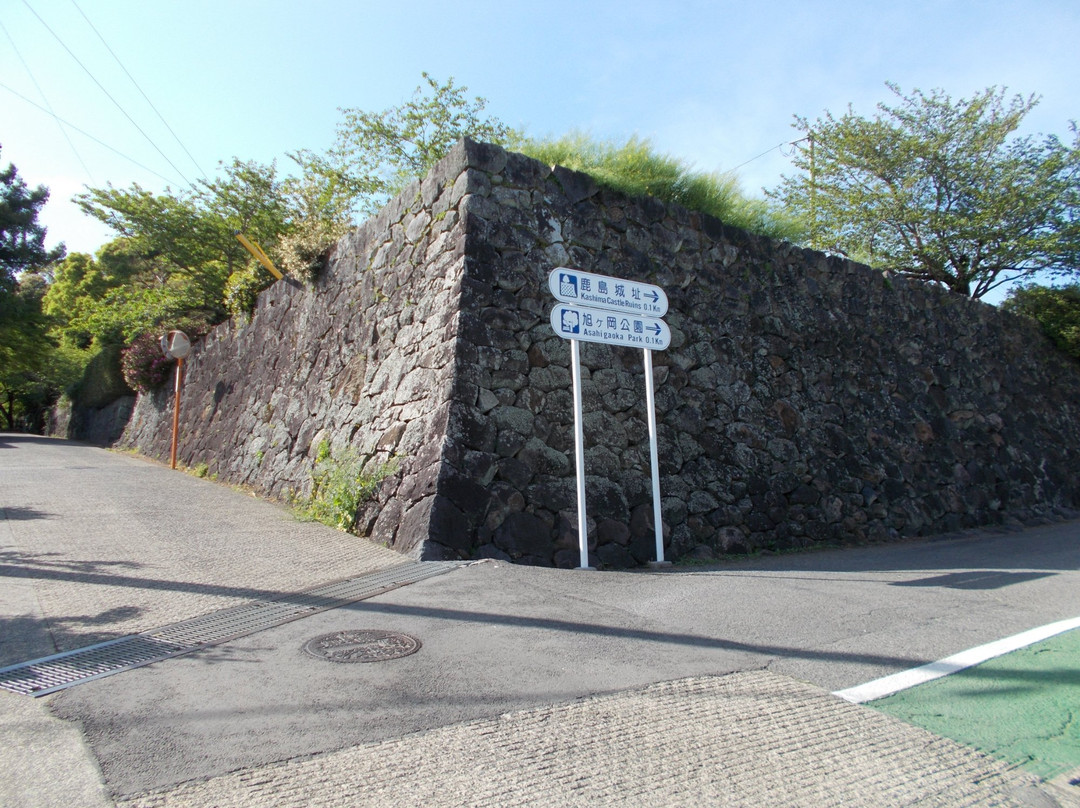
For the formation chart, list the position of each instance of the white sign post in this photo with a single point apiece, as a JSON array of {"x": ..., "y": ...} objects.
[
  {"x": 654, "y": 460},
  {"x": 611, "y": 311},
  {"x": 579, "y": 456}
]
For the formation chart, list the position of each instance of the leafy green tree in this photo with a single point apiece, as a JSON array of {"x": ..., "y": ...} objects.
[
  {"x": 25, "y": 350},
  {"x": 184, "y": 247},
  {"x": 1057, "y": 309},
  {"x": 120, "y": 294},
  {"x": 376, "y": 154},
  {"x": 75, "y": 294},
  {"x": 182, "y": 232},
  {"x": 22, "y": 236},
  {"x": 940, "y": 190}
]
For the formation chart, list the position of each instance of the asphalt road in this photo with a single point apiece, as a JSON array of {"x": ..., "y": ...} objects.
[{"x": 88, "y": 553}]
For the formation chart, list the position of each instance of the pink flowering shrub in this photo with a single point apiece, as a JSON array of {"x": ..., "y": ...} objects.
[{"x": 143, "y": 364}]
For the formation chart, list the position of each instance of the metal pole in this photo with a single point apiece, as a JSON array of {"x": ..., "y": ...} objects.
[
  {"x": 813, "y": 198},
  {"x": 579, "y": 455},
  {"x": 176, "y": 411},
  {"x": 650, "y": 405}
]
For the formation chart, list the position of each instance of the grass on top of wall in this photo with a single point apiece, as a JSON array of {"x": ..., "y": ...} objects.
[{"x": 635, "y": 169}]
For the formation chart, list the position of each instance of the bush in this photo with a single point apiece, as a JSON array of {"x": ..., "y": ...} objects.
[
  {"x": 144, "y": 366},
  {"x": 1056, "y": 308},
  {"x": 304, "y": 251},
  {"x": 243, "y": 287},
  {"x": 340, "y": 486}
]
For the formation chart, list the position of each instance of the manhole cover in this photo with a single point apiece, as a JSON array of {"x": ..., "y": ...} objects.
[{"x": 362, "y": 645}]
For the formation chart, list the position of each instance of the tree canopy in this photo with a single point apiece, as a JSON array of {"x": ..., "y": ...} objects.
[
  {"x": 1057, "y": 310},
  {"x": 177, "y": 252},
  {"x": 26, "y": 353},
  {"x": 376, "y": 154},
  {"x": 940, "y": 190},
  {"x": 22, "y": 236}
]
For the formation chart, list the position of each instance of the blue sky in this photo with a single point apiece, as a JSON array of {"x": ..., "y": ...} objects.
[{"x": 713, "y": 83}]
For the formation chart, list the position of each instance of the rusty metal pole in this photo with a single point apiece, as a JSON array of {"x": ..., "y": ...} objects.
[{"x": 176, "y": 411}]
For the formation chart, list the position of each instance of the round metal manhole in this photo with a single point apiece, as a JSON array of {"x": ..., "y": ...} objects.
[{"x": 362, "y": 645}]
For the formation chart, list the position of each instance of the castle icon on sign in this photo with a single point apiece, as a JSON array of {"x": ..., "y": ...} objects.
[{"x": 568, "y": 285}]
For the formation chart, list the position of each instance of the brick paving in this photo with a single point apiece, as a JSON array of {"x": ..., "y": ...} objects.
[{"x": 747, "y": 739}]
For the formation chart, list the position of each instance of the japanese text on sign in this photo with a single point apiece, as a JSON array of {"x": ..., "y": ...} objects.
[
  {"x": 586, "y": 289},
  {"x": 610, "y": 327}
]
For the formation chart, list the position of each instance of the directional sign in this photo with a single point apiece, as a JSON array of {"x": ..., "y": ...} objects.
[
  {"x": 610, "y": 327},
  {"x": 603, "y": 292}
]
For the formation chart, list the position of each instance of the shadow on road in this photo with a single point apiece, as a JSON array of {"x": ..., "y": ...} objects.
[{"x": 17, "y": 513}]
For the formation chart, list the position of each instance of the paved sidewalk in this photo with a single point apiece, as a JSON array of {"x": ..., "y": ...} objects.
[
  {"x": 749, "y": 739},
  {"x": 133, "y": 547},
  {"x": 44, "y": 762},
  {"x": 532, "y": 686},
  {"x": 96, "y": 545}
]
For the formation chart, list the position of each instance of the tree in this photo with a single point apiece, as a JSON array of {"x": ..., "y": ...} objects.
[
  {"x": 183, "y": 244},
  {"x": 182, "y": 232},
  {"x": 120, "y": 293},
  {"x": 941, "y": 191},
  {"x": 376, "y": 154},
  {"x": 22, "y": 236},
  {"x": 25, "y": 350},
  {"x": 1057, "y": 310}
]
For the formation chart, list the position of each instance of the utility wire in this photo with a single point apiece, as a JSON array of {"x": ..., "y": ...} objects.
[
  {"x": 767, "y": 151},
  {"x": 752, "y": 159},
  {"x": 45, "y": 98},
  {"x": 85, "y": 133},
  {"x": 108, "y": 94},
  {"x": 140, "y": 89}
]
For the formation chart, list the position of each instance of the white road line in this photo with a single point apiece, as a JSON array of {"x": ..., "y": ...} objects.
[{"x": 886, "y": 686}]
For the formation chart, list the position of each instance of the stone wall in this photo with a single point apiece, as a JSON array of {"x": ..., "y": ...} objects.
[
  {"x": 101, "y": 426},
  {"x": 361, "y": 360},
  {"x": 804, "y": 399}
]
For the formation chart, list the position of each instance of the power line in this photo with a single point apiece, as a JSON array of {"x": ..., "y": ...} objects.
[
  {"x": 85, "y": 134},
  {"x": 45, "y": 98},
  {"x": 752, "y": 159},
  {"x": 793, "y": 144},
  {"x": 143, "y": 94},
  {"x": 767, "y": 151},
  {"x": 108, "y": 94}
]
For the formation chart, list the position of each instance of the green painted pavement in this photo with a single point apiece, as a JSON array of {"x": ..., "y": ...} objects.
[{"x": 1023, "y": 707}]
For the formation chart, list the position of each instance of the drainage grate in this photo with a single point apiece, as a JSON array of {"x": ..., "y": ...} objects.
[
  {"x": 40, "y": 677},
  {"x": 56, "y": 672}
]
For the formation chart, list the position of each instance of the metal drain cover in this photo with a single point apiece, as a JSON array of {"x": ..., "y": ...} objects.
[{"x": 362, "y": 645}]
